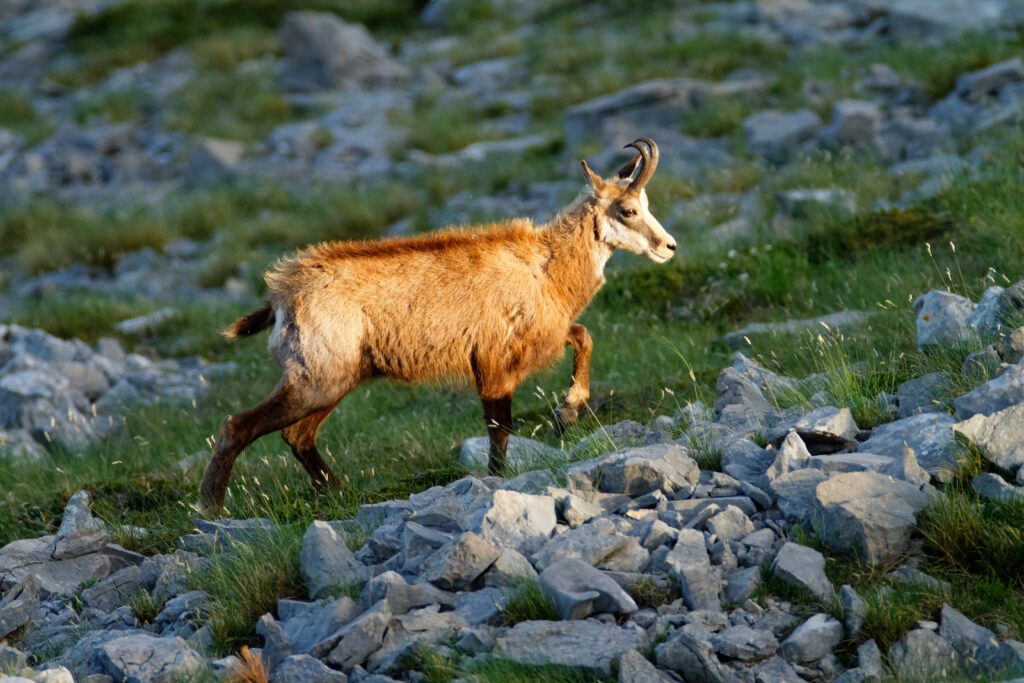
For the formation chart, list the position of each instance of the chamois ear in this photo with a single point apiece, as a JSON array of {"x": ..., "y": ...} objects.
[
  {"x": 627, "y": 170},
  {"x": 592, "y": 178}
]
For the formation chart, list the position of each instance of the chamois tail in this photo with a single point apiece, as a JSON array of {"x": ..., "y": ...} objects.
[{"x": 251, "y": 324}]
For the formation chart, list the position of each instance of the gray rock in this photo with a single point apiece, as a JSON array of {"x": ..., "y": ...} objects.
[
  {"x": 483, "y": 606},
  {"x": 598, "y": 543},
  {"x": 636, "y": 471},
  {"x": 992, "y": 486},
  {"x": 906, "y": 468},
  {"x": 691, "y": 657},
  {"x": 690, "y": 564},
  {"x": 999, "y": 436},
  {"x": 986, "y": 319},
  {"x": 869, "y": 660},
  {"x": 33, "y": 557},
  {"x": 634, "y": 668},
  {"x": 322, "y": 51},
  {"x": 115, "y": 590},
  {"x": 823, "y": 430},
  {"x": 792, "y": 455},
  {"x": 942, "y": 319},
  {"x": 871, "y": 512},
  {"x": 400, "y": 596},
  {"x": 407, "y": 634},
  {"x": 457, "y": 565},
  {"x": 1007, "y": 658},
  {"x": 930, "y": 435},
  {"x": 985, "y": 83},
  {"x": 741, "y": 584},
  {"x": 855, "y": 610},
  {"x": 303, "y": 669},
  {"x": 521, "y": 454},
  {"x": 922, "y": 654},
  {"x": 775, "y": 135},
  {"x": 419, "y": 543},
  {"x": 577, "y": 511},
  {"x": 921, "y": 394},
  {"x": 353, "y": 643},
  {"x": 795, "y": 492},
  {"x": 519, "y": 521},
  {"x": 740, "y": 404},
  {"x": 19, "y": 606},
  {"x": 143, "y": 658},
  {"x": 812, "y": 640},
  {"x": 850, "y": 320},
  {"x": 509, "y": 568},
  {"x": 775, "y": 670},
  {"x": 997, "y": 394},
  {"x": 853, "y": 462},
  {"x": 78, "y": 517},
  {"x": 327, "y": 563},
  {"x": 803, "y": 567},
  {"x": 748, "y": 462},
  {"x": 618, "y": 436},
  {"x": 744, "y": 643},
  {"x": 815, "y": 202},
  {"x": 964, "y": 635},
  {"x": 854, "y": 122},
  {"x": 578, "y": 590},
  {"x": 11, "y": 659},
  {"x": 730, "y": 524},
  {"x": 586, "y": 644}
]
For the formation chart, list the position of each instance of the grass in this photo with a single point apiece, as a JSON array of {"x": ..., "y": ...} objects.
[
  {"x": 245, "y": 581},
  {"x": 243, "y": 104},
  {"x": 144, "y": 607},
  {"x": 527, "y": 602},
  {"x": 19, "y": 114}
]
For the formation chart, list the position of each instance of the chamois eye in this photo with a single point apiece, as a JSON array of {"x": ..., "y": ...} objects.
[{"x": 628, "y": 213}]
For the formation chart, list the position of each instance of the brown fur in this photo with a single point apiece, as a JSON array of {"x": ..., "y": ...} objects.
[{"x": 489, "y": 304}]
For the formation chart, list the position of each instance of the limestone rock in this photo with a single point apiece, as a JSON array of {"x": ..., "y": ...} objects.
[
  {"x": 930, "y": 436},
  {"x": 824, "y": 430},
  {"x": 326, "y": 561},
  {"x": 457, "y": 565},
  {"x": 803, "y": 567},
  {"x": 518, "y": 520},
  {"x": 812, "y": 640},
  {"x": 144, "y": 658},
  {"x": 588, "y": 644},
  {"x": 922, "y": 654},
  {"x": 636, "y": 471},
  {"x": 578, "y": 590},
  {"x": 999, "y": 436},
  {"x": 995, "y": 395},
  {"x": 691, "y": 565},
  {"x": 942, "y": 319}
]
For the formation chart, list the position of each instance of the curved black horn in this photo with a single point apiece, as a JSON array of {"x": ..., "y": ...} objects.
[{"x": 650, "y": 157}]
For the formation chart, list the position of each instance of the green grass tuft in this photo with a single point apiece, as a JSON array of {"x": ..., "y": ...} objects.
[{"x": 527, "y": 602}]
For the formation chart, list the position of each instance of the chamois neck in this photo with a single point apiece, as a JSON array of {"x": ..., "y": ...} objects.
[{"x": 576, "y": 266}]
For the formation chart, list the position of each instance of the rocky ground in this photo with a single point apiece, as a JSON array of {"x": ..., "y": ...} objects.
[{"x": 843, "y": 502}]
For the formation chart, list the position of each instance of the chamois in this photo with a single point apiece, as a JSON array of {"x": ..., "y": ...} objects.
[{"x": 490, "y": 304}]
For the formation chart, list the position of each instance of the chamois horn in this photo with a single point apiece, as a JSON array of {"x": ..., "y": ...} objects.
[{"x": 650, "y": 159}]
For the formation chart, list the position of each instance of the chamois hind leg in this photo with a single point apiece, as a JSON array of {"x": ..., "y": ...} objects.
[
  {"x": 301, "y": 437},
  {"x": 498, "y": 416},
  {"x": 289, "y": 403},
  {"x": 579, "y": 390}
]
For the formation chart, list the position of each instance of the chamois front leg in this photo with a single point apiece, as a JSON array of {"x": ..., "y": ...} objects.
[
  {"x": 498, "y": 416},
  {"x": 578, "y": 392}
]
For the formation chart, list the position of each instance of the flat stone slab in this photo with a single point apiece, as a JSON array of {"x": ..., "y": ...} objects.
[{"x": 587, "y": 644}]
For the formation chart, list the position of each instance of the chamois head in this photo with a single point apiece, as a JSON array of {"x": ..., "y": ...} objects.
[{"x": 625, "y": 219}]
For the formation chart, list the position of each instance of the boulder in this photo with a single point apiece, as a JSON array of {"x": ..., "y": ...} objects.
[
  {"x": 812, "y": 640},
  {"x": 519, "y": 521},
  {"x": 457, "y": 565},
  {"x": 303, "y": 668},
  {"x": 115, "y": 590},
  {"x": 823, "y": 430},
  {"x": 634, "y": 668},
  {"x": 964, "y": 635},
  {"x": 692, "y": 657},
  {"x": 741, "y": 584},
  {"x": 930, "y": 435},
  {"x": 144, "y": 658},
  {"x": 353, "y": 643},
  {"x": 855, "y": 610},
  {"x": 744, "y": 643},
  {"x": 992, "y": 486},
  {"x": 986, "y": 83},
  {"x": 636, "y": 471},
  {"x": 409, "y": 633},
  {"x": 999, "y": 436},
  {"x": 922, "y": 654},
  {"x": 747, "y": 462},
  {"x": 586, "y": 644},
  {"x": 578, "y": 590},
  {"x": 999, "y": 393},
  {"x": 795, "y": 492},
  {"x": 19, "y": 606},
  {"x": 870, "y": 512},
  {"x": 598, "y": 543},
  {"x": 401, "y": 596},
  {"x": 327, "y": 563},
  {"x": 804, "y": 568},
  {"x": 815, "y": 202},
  {"x": 942, "y": 319},
  {"x": 33, "y": 557},
  {"x": 740, "y": 404},
  {"x": 658, "y": 103},
  {"x": 854, "y": 122},
  {"x": 689, "y": 562},
  {"x": 776, "y": 135},
  {"x": 510, "y": 567},
  {"x": 922, "y": 394},
  {"x": 731, "y": 524},
  {"x": 322, "y": 51}
]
